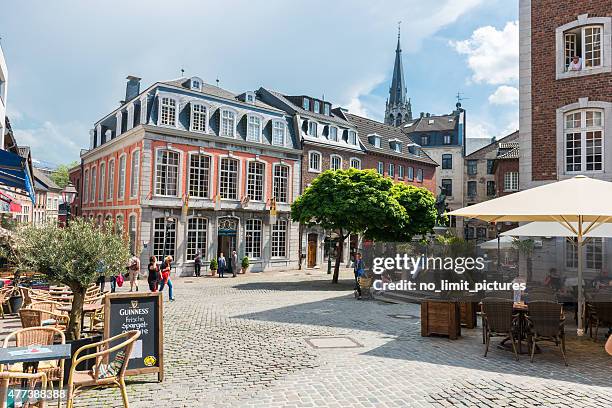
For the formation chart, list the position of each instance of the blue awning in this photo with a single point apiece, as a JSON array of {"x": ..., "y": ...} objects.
[{"x": 15, "y": 172}]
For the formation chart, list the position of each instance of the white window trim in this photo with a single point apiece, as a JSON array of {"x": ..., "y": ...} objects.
[
  {"x": 285, "y": 130},
  {"x": 511, "y": 190},
  {"x": 208, "y": 237},
  {"x": 101, "y": 197},
  {"x": 287, "y": 238},
  {"x": 313, "y": 170},
  {"x": 210, "y": 173},
  {"x": 118, "y": 122},
  {"x": 583, "y": 103},
  {"x": 331, "y": 158},
  {"x": 239, "y": 189},
  {"x": 130, "y": 117},
  {"x": 132, "y": 155},
  {"x": 109, "y": 197},
  {"x": 121, "y": 197},
  {"x": 176, "y": 111},
  {"x": 380, "y": 165},
  {"x": 348, "y": 138},
  {"x": 351, "y": 162},
  {"x": 317, "y": 128},
  {"x": 265, "y": 176},
  {"x": 143, "y": 110},
  {"x": 261, "y": 240},
  {"x": 375, "y": 136},
  {"x": 235, "y": 112},
  {"x": 93, "y": 184},
  {"x": 179, "y": 189},
  {"x": 261, "y": 126},
  {"x": 584, "y": 20},
  {"x": 274, "y": 166},
  {"x": 207, "y": 116}
]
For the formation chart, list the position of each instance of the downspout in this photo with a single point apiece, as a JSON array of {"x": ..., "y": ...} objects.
[{"x": 296, "y": 125}]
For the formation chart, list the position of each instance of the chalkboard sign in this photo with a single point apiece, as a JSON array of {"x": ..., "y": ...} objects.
[{"x": 138, "y": 311}]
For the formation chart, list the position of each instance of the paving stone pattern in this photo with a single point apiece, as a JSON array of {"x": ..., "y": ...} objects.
[{"x": 243, "y": 343}]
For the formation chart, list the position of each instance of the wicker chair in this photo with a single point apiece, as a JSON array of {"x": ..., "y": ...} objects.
[
  {"x": 5, "y": 295},
  {"x": 26, "y": 295},
  {"x": 96, "y": 378},
  {"x": 546, "y": 323},
  {"x": 541, "y": 296},
  {"x": 8, "y": 378},
  {"x": 600, "y": 315},
  {"x": 32, "y": 317},
  {"x": 54, "y": 369},
  {"x": 499, "y": 320}
]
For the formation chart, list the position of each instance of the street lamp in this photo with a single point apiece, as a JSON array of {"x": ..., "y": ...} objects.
[
  {"x": 68, "y": 195},
  {"x": 498, "y": 228}
]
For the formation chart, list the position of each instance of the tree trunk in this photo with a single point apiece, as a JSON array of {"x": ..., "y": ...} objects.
[
  {"x": 338, "y": 258},
  {"x": 74, "y": 326}
]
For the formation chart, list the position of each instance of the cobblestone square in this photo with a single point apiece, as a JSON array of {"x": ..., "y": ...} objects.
[{"x": 247, "y": 342}]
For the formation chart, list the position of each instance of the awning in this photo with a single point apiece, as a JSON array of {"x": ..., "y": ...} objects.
[
  {"x": 8, "y": 204},
  {"x": 504, "y": 243},
  {"x": 15, "y": 173},
  {"x": 553, "y": 229}
]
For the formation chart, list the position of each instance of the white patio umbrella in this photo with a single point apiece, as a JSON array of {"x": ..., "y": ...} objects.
[
  {"x": 580, "y": 204},
  {"x": 554, "y": 229},
  {"x": 505, "y": 242}
]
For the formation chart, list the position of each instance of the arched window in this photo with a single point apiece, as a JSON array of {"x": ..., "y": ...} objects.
[
  {"x": 335, "y": 162},
  {"x": 355, "y": 163},
  {"x": 314, "y": 162}
]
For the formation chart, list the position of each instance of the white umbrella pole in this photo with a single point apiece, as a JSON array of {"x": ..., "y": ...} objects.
[{"x": 579, "y": 251}]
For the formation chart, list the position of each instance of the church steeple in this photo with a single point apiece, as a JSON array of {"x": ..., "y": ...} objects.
[{"x": 398, "y": 109}]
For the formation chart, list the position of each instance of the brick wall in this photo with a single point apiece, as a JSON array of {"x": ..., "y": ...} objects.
[
  {"x": 326, "y": 153},
  {"x": 503, "y": 167},
  {"x": 548, "y": 93},
  {"x": 429, "y": 171}
]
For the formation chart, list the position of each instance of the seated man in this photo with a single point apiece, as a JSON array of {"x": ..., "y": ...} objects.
[{"x": 575, "y": 64}]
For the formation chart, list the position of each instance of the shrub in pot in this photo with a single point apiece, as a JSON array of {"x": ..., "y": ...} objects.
[
  {"x": 245, "y": 264},
  {"x": 213, "y": 267}
]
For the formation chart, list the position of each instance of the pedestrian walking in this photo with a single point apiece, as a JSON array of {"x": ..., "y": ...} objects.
[
  {"x": 165, "y": 277},
  {"x": 133, "y": 270},
  {"x": 234, "y": 263},
  {"x": 221, "y": 264},
  {"x": 198, "y": 263},
  {"x": 153, "y": 277},
  {"x": 359, "y": 271}
]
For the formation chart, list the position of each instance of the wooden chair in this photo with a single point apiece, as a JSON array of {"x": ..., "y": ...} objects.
[
  {"x": 54, "y": 369},
  {"x": 7, "y": 378},
  {"x": 546, "y": 323},
  {"x": 48, "y": 305},
  {"x": 26, "y": 295},
  {"x": 112, "y": 374},
  {"x": 499, "y": 320},
  {"x": 32, "y": 317},
  {"x": 5, "y": 296}
]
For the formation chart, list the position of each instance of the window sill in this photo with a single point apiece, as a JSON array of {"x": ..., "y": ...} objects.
[
  {"x": 314, "y": 171},
  {"x": 584, "y": 72}
]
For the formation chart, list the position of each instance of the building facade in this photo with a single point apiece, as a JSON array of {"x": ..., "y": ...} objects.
[
  {"x": 566, "y": 108},
  {"x": 398, "y": 108},
  {"x": 3, "y": 97},
  {"x": 442, "y": 138},
  {"x": 48, "y": 197},
  {"x": 185, "y": 167},
  {"x": 481, "y": 183}
]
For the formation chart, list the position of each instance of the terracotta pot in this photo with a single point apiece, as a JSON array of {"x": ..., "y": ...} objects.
[
  {"x": 243, "y": 270},
  {"x": 213, "y": 272}
]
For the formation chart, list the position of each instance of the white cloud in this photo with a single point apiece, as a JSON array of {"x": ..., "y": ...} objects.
[
  {"x": 492, "y": 54},
  {"x": 54, "y": 143},
  {"x": 504, "y": 95}
]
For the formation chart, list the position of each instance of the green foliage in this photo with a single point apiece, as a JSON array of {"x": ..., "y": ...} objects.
[
  {"x": 245, "y": 262},
  {"x": 525, "y": 246},
  {"x": 454, "y": 246},
  {"x": 213, "y": 264},
  {"x": 60, "y": 175},
  {"x": 74, "y": 256}
]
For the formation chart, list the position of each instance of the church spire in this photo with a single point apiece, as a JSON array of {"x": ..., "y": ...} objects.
[{"x": 398, "y": 108}]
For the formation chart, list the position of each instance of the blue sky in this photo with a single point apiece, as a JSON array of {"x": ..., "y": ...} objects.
[{"x": 68, "y": 59}]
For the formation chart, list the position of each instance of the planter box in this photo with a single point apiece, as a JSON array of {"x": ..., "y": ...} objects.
[
  {"x": 468, "y": 311},
  {"x": 440, "y": 317}
]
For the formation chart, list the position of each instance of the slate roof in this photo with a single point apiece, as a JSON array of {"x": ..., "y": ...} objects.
[
  {"x": 438, "y": 123},
  {"x": 218, "y": 92},
  {"x": 367, "y": 127},
  {"x": 511, "y": 154},
  {"x": 474, "y": 144},
  {"x": 42, "y": 178},
  {"x": 298, "y": 109}
]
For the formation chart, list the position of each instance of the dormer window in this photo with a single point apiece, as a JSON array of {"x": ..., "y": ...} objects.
[
  {"x": 249, "y": 97},
  {"x": 326, "y": 109},
  {"x": 306, "y": 104},
  {"x": 430, "y": 121},
  {"x": 228, "y": 123},
  {"x": 312, "y": 129},
  {"x": 195, "y": 84},
  {"x": 447, "y": 139},
  {"x": 167, "y": 111},
  {"x": 333, "y": 133},
  {"x": 254, "y": 128},
  {"x": 352, "y": 137},
  {"x": 278, "y": 133},
  {"x": 374, "y": 140},
  {"x": 317, "y": 106},
  {"x": 396, "y": 146},
  {"x": 424, "y": 140},
  {"x": 198, "y": 117}
]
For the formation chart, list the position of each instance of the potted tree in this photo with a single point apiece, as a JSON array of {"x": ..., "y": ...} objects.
[
  {"x": 213, "y": 267},
  {"x": 245, "y": 264}
]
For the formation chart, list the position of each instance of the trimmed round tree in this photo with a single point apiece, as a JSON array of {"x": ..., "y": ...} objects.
[
  {"x": 75, "y": 256},
  {"x": 348, "y": 202}
]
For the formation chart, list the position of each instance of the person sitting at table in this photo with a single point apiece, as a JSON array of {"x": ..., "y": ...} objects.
[{"x": 602, "y": 280}]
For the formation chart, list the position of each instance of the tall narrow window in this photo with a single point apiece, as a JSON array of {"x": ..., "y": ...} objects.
[
  {"x": 333, "y": 133},
  {"x": 92, "y": 196},
  {"x": 166, "y": 173},
  {"x": 228, "y": 179},
  {"x": 594, "y": 253},
  {"x": 400, "y": 171},
  {"x": 121, "y": 182},
  {"x": 584, "y": 140},
  {"x": 511, "y": 181},
  {"x": 314, "y": 161},
  {"x": 101, "y": 182},
  {"x": 111, "y": 180},
  {"x": 281, "y": 183},
  {"x": 196, "y": 237},
  {"x": 132, "y": 232},
  {"x": 228, "y": 123},
  {"x": 134, "y": 173},
  {"x": 447, "y": 187},
  {"x": 279, "y": 239},
  {"x": 164, "y": 237},
  {"x": 592, "y": 46},
  {"x": 447, "y": 161},
  {"x": 254, "y": 129},
  {"x": 306, "y": 104},
  {"x": 312, "y": 129},
  {"x": 472, "y": 189},
  {"x": 255, "y": 180},
  {"x": 252, "y": 247},
  {"x": 167, "y": 112},
  {"x": 391, "y": 170},
  {"x": 335, "y": 162},
  {"x": 419, "y": 175},
  {"x": 199, "y": 175},
  {"x": 317, "y": 106},
  {"x": 85, "y": 187},
  {"x": 352, "y": 137},
  {"x": 198, "y": 117},
  {"x": 381, "y": 168},
  {"x": 278, "y": 133},
  {"x": 472, "y": 167}
]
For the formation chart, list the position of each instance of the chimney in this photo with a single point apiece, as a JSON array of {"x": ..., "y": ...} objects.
[{"x": 132, "y": 88}]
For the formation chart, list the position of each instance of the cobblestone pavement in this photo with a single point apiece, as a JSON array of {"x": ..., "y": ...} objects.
[{"x": 293, "y": 339}]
